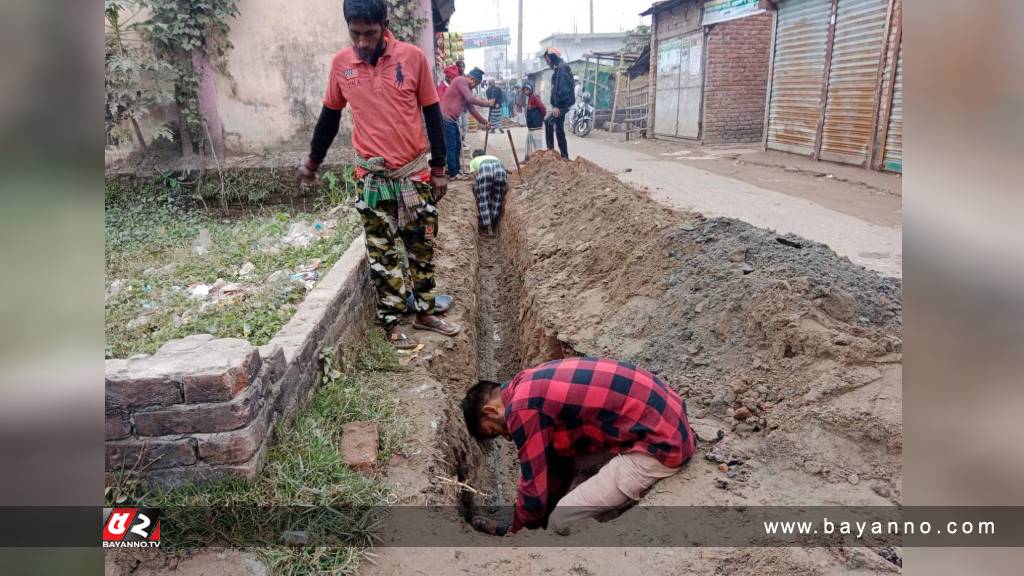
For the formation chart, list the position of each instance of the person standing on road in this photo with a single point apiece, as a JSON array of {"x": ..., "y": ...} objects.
[
  {"x": 389, "y": 87},
  {"x": 520, "y": 109},
  {"x": 563, "y": 96},
  {"x": 459, "y": 98},
  {"x": 494, "y": 93},
  {"x": 569, "y": 415},
  {"x": 535, "y": 113}
]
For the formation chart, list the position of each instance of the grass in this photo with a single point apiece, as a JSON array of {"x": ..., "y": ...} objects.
[
  {"x": 303, "y": 469},
  {"x": 149, "y": 234}
]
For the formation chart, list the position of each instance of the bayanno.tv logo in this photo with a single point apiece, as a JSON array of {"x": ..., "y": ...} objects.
[{"x": 131, "y": 528}]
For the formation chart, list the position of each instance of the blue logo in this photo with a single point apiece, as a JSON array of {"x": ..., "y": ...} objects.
[{"x": 399, "y": 77}]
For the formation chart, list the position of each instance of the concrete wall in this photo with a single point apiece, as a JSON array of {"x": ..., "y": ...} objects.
[
  {"x": 736, "y": 79},
  {"x": 271, "y": 85},
  {"x": 276, "y": 75}
]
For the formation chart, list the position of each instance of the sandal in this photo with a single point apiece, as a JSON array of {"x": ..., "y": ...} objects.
[
  {"x": 435, "y": 324},
  {"x": 400, "y": 341}
]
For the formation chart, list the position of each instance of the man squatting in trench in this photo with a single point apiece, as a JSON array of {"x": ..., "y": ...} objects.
[
  {"x": 569, "y": 415},
  {"x": 389, "y": 87}
]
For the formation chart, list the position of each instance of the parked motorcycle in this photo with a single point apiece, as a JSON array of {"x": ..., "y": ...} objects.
[{"x": 583, "y": 119}]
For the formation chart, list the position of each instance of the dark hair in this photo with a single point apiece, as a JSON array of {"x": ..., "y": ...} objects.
[
  {"x": 369, "y": 11},
  {"x": 477, "y": 152},
  {"x": 473, "y": 405}
]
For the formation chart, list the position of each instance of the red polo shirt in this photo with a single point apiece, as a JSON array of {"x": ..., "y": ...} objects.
[{"x": 387, "y": 101}]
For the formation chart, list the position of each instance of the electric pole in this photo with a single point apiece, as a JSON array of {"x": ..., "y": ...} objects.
[
  {"x": 519, "y": 45},
  {"x": 591, "y": 16}
]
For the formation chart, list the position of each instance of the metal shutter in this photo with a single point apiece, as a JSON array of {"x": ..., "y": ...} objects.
[
  {"x": 894, "y": 138},
  {"x": 797, "y": 75},
  {"x": 853, "y": 80}
]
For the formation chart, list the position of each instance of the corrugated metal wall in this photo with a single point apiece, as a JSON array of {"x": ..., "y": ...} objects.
[
  {"x": 894, "y": 138},
  {"x": 850, "y": 113},
  {"x": 856, "y": 104},
  {"x": 798, "y": 73}
]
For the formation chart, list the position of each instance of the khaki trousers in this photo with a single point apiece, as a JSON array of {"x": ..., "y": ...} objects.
[{"x": 625, "y": 478}]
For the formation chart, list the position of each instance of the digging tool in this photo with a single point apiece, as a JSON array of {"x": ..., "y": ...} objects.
[
  {"x": 515, "y": 155},
  {"x": 486, "y": 135}
]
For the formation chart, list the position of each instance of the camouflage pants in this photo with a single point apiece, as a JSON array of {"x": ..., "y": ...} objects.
[{"x": 386, "y": 267}]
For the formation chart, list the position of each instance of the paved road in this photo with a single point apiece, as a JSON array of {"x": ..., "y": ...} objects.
[{"x": 686, "y": 187}]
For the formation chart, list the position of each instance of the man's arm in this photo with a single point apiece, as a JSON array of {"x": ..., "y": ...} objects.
[
  {"x": 323, "y": 136},
  {"x": 533, "y": 440},
  {"x": 479, "y": 117},
  {"x": 565, "y": 88},
  {"x": 540, "y": 105},
  {"x": 326, "y": 129},
  {"x": 463, "y": 88},
  {"x": 435, "y": 134}
]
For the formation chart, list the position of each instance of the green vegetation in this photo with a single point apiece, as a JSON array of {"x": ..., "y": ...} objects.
[
  {"x": 303, "y": 469},
  {"x": 151, "y": 264}
]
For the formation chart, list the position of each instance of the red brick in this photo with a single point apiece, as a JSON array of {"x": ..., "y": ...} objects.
[
  {"x": 191, "y": 418},
  {"x": 736, "y": 79},
  {"x": 215, "y": 387},
  {"x": 117, "y": 426},
  {"x": 149, "y": 454},
  {"x": 131, "y": 393},
  {"x": 360, "y": 442},
  {"x": 200, "y": 473},
  {"x": 239, "y": 445}
]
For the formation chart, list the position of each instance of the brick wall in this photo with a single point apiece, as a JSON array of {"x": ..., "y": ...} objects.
[
  {"x": 736, "y": 79},
  {"x": 204, "y": 408}
]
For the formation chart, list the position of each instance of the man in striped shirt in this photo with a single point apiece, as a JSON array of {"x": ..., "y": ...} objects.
[{"x": 564, "y": 412}]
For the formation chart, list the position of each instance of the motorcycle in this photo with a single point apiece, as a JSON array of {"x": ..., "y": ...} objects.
[{"x": 583, "y": 117}]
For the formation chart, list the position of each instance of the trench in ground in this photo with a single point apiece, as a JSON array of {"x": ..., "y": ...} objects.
[{"x": 508, "y": 338}]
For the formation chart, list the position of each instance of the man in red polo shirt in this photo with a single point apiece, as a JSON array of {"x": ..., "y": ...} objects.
[
  {"x": 568, "y": 411},
  {"x": 389, "y": 87}
]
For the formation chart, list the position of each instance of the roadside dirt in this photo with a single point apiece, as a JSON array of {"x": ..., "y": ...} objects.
[
  {"x": 870, "y": 195},
  {"x": 733, "y": 317}
]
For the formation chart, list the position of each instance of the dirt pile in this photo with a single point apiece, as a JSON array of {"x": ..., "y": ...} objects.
[{"x": 792, "y": 349}]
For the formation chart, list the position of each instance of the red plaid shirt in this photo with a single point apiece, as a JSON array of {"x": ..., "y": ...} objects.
[{"x": 578, "y": 406}]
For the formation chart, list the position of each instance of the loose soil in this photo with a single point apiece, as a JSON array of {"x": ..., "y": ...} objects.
[{"x": 735, "y": 318}]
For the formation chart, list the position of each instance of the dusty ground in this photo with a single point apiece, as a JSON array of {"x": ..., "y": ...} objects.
[
  {"x": 869, "y": 194},
  {"x": 732, "y": 318},
  {"x": 855, "y": 212},
  {"x": 726, "y": 313}
]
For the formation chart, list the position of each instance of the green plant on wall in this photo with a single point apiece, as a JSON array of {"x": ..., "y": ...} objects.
[
  {"x": 185, "y": 32},
  {"x": 404, "y": 22},
  {"x": 135, "y": 80},
  {"x": 637, "y": 39}
]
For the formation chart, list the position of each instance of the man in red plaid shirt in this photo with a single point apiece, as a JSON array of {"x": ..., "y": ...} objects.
[{"x": 564, "y": 413}]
